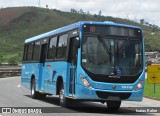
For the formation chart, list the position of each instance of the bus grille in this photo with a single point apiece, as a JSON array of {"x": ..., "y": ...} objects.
[{"x": 105, "y": 95}]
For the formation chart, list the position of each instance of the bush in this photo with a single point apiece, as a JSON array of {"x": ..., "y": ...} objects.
[{"x": 13, "y": 61}]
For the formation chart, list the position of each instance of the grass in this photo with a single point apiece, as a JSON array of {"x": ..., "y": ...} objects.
[{"x": 149, "y": 91}]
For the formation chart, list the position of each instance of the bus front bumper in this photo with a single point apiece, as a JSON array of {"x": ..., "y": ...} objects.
[{"x": 85, "y": 93}]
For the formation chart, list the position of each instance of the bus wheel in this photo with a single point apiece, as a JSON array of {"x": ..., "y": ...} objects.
[
  {"x": 42, "y": 96},
  {"x": 34, "y": 93},
  {"x": 113, "y": 105},
  {"x": 62, "y": 98}
]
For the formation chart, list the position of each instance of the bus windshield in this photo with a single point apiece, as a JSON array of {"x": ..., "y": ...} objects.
[{"x": 112, "y": 55}]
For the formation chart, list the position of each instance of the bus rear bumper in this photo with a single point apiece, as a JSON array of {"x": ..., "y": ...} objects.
[{"x": 85, "y": 93}]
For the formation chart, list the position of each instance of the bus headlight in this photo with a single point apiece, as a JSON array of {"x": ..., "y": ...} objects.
[
  {"x": 85, "y": 82},
  {"x": 139, "y": 86}
]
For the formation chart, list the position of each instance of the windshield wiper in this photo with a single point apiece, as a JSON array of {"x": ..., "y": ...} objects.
[
  {"x": 125, "y": 42},
  {"x": 104, "y": 44}
]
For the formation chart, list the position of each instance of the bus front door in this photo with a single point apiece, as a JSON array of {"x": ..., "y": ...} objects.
[{"x": 73, "y": 61}]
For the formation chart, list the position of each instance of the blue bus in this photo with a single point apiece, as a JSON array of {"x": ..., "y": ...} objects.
[{"x": 88, "y": 61}]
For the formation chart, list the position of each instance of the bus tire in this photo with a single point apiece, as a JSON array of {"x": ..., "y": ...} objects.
[
  {"x": 62, "y": 99},
  {"x": 113, "y": 105},
  {"x": 34, "y": 93},
  {"x": 42, "y": 96}
]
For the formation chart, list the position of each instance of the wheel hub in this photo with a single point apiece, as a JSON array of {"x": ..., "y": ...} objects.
[{"x": 62, "y": 96}]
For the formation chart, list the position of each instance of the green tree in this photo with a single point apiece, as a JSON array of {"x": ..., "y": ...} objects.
[{"x": 100, "y": 13}]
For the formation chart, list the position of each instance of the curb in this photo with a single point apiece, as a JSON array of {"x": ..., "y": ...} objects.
[{"x": 158, "y": 99}]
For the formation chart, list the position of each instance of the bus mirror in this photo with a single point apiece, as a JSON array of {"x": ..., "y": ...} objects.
[{"x": 76, "y": 42}]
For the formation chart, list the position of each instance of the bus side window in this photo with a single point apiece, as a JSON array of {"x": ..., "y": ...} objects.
[
  {"x": 25, "y": 52},
  {"x": 62, "y": 46},
  {"x": 52, "y": 48},
  {"x": 30, "y": 52},
  {"x": 36, "y": 51}
]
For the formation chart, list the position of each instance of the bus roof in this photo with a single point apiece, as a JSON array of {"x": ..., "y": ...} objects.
[{"x": 74, "y": 26}]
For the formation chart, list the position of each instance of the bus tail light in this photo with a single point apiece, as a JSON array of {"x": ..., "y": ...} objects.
[
  {"x": 139, "y": 86},
  {"x": 85, "y": 82}
]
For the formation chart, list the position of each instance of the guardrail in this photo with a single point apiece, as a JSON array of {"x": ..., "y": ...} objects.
[{"x": 6, "y": 71}]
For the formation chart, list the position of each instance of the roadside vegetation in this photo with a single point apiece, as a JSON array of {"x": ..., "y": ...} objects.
[
  {"x": 149, "y": 91},
  {"x": 18, "y": 24}
]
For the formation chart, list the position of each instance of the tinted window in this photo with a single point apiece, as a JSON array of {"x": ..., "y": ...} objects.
[
  {"x": 25, "y": 52},
  {"x": 52, "y": 48},
  {"x": 62, "y": 46},
  {"x": 30, "y": 51},
  {"x": 112, "y": 56},
  {"x": 36, "y": 53}
]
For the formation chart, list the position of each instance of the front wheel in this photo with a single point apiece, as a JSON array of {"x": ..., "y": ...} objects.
[
  {"x": 62, "y": 99},
  {"x": 113, "y": 105}
]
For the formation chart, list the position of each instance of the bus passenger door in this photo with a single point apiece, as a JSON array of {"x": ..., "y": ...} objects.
[
  {"x": 42, "y": 65},
  {"x": 73, "y": 61}
]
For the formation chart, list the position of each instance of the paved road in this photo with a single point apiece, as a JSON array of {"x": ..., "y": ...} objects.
[{"x": 12, "y": 94}]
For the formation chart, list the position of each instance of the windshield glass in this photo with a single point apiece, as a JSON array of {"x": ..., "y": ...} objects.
[{"x": 111, "y": 56}]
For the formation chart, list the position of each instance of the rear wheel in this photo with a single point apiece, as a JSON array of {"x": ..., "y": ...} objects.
[
  {"x": 42, "y": 96},
  {"x": 113, "y": 105},
  {"x": 34, "y": 93},
  {"x": 63, "y": 101}
]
